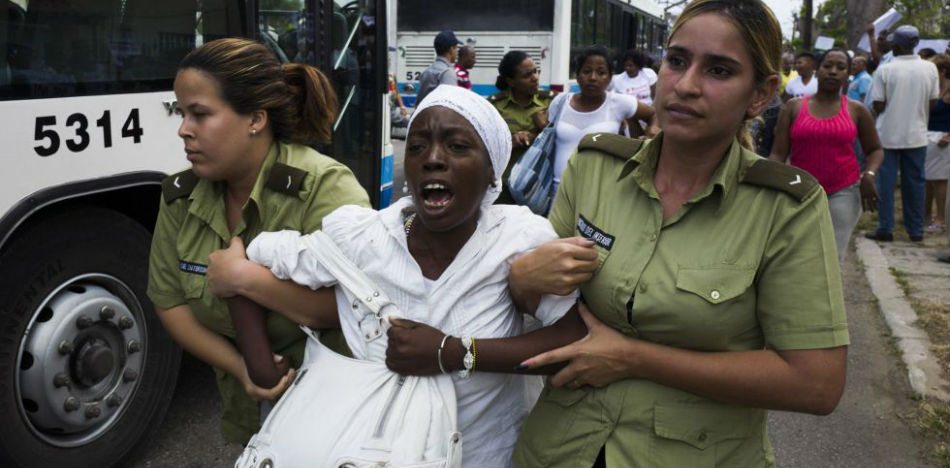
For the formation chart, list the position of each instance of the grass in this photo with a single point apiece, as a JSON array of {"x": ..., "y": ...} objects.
[
  {"x": 934, "y": 420},
  {"x": 934, "y": 317},
  {"x": 933, "y": 416},
  {"x": 901, "y": 278}
]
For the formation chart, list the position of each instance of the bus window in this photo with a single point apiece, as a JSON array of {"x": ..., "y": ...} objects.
[
  {"x": 359, "y": 82},
  {"x": 89, "y": 47},
  {"x": 283, "y": 27}
]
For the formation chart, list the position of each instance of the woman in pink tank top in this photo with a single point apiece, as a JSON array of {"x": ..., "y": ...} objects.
[{"x": 818, "y": 134}]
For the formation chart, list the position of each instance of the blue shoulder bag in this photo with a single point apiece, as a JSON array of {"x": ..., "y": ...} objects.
[{"x": 531, "y": 182}]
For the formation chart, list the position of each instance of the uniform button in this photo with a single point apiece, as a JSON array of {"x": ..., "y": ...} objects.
[
  {"x": 643, "y": 287},
  {"x": 702, "y": 436},
  {"x": 714, "y": 294},
  {"x": 652, "y": 237}
]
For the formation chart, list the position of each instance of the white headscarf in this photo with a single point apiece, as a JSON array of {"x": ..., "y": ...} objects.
[{"x": 487, "y": 122}]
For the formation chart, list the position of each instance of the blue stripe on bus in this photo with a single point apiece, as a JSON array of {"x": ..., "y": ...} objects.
[
  {"x": 409, "y": 100},
  {"x": 386, "y": 181},
  {"x": 385, "y": 197}
]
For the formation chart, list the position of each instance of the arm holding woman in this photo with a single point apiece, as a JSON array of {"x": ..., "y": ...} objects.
[
  {"x": 216, "y": 351},
  {"x": 809, "y": 381},
  {"x": 230, "y": 273}
]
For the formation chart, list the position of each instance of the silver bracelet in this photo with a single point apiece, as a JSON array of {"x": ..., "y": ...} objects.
[
  {"x": 442, "y": 345},
  {"x": 469, "y": 360}
]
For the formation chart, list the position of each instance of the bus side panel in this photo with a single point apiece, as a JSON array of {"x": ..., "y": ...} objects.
[{"x": 50, "y": 142}]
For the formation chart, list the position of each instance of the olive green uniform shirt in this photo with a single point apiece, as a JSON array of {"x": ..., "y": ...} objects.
[
  {"x": 748, "y": 263},
  {"x": 295, "y": 189},
  {"x": 519, "y": 119}
]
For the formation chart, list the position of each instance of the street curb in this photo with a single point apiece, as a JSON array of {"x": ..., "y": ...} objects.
[{"x": 923, "y": 371}]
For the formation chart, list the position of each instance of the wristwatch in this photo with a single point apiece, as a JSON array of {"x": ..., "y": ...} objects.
[{"x": 869, "y": 172}]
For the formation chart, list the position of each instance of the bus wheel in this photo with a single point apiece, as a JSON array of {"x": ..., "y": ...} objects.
[{"x": 86, "y": 369}]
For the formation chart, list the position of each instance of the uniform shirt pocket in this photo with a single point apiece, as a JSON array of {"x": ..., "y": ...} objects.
[
  {"x": 698, "y": 435},
  {"x": 715, "y": 284}
]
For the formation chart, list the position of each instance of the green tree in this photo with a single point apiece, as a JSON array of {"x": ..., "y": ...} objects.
[
  {"x": 831, "y": 20},
  {"x": 847, "y": 20},
  {"x": 931, "y": 17}
]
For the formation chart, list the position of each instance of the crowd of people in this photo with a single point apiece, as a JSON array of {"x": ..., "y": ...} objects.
[
  {"x": 682, "y": 284},
  {"x": 891, "y": 121}
]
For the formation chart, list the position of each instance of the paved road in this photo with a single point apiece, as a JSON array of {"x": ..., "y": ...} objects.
[{"x": 867, "y": 430}]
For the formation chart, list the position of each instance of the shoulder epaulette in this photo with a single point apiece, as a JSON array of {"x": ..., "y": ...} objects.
[
  {"x": 497, "y": 96},
  {"x": 615, "y": 145},
  {"x": 779, "y": 176},
  {"x": 286, "y": 179},
  {"x": 178, "y": 185}
]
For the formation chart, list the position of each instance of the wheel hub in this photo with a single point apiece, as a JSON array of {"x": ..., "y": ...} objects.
[
  {"x": 94, "y": 362},
  {"x": 85, "y": 338}
]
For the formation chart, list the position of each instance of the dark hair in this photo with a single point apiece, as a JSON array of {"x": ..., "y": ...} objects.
[
  {"x": 942, "y": 61},
  {"x": 636, "y": 56},
  {"x": 589, "y": 52},
  {"x": 821, "y": 58},
  {"x": 806, "y": 53},
  {"x": 299, "y": 100},
  {"x": 926, "y": 53},
  {"x": 508, "y": 67}
]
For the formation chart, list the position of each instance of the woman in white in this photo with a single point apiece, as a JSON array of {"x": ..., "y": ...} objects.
[
  {"x": 443, "y": 256},
  {"x": 636, "y": 79},
  {"x": 593, "y": 109}
]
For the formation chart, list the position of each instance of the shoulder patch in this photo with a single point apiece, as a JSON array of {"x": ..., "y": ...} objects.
[
  {"x": 497, "y": 96},
  {"x": 779, "y": 176},
  {"x": 178, "y": 185},
  {"x": 286, "y": 179},
  {"x": 618, "y": 146}
]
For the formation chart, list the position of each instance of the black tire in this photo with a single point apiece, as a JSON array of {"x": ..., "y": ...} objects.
[{"x": 92, "y": 249}]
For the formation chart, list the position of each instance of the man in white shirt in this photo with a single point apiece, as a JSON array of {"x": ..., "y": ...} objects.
[
  {"x": 637, "y": 79},
  {"x": 904, "y": 91},
  {"x": 805, "y": 84}
]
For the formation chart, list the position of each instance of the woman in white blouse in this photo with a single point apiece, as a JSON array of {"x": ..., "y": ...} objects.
[
  {"x": 443, "y": 256},
  {"x": 594, "y": 109}
]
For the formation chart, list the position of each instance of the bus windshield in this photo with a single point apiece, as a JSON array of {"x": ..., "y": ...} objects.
[
  {"x": 483, "y": 15},
  {"x": 91, "y": 47}
]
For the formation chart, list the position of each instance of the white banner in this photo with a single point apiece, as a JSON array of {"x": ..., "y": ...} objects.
[{"x": 885, "y": 21}]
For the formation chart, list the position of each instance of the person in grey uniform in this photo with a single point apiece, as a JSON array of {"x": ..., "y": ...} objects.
[{"x": 441, "y": 71}]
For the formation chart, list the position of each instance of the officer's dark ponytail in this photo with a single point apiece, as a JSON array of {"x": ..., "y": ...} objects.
[
  {"x": 314, "y": 103},
  {"x": 508, "y": 67},
  {"x": 299, "y": 100}
]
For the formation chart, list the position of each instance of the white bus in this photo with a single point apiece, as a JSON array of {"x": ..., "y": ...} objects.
[
  {"x": 549, "y": 31},
  {"x": 88, "y": 132}
]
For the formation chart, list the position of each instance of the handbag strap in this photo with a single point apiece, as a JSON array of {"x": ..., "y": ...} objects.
[
  {"x": 558, "y": 107},
  {"x": 347, "y": 274}
]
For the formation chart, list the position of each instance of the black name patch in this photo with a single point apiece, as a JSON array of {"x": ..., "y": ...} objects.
[
  {"x": 196, "y": 268},
  {"x": 594, "y": 233}
]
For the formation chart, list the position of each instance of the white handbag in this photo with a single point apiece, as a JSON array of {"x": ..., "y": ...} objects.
[{"x": 349, "y": 413}]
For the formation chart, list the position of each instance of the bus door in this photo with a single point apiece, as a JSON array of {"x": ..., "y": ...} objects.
[{"x": 347, "y": 41}]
